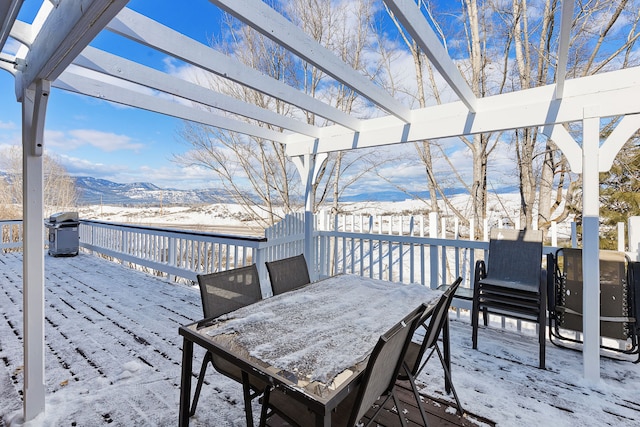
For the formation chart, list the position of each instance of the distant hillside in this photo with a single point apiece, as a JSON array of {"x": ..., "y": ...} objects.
[{"x": 94, "y": 191}]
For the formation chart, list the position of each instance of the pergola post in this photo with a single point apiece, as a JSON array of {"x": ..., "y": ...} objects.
[
  {"x": 308, "y": 169},
  {"x": 308, "y": 215},
  {"x": 591, "y": 244},
  {"x": 34, "y": 103}
]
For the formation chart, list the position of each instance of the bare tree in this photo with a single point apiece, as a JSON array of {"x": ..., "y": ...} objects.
[
  {"x": 60, "y": 192},
  {"x": 595, "y": 46},
  {"x": 257, "y": 174},
  {"x": 499, "y": 47},
  {"x": 509, "y": 46},
  {"x": 427, "y": 83}
]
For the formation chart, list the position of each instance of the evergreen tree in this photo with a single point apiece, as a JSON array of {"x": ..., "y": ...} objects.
[{"x": 620, "y": 193}]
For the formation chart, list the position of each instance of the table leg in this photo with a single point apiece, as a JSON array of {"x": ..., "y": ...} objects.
[
  {"x": 447, "y": 352},
  {"x": 185, "y": 382},
  {"x": 246, "y": 391},
  {"x": 323, "y": 421}
]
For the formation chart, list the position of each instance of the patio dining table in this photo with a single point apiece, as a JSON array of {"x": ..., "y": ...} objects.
[{"x": 312, "y": 342}]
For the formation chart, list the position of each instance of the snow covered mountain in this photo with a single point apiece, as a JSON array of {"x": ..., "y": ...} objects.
[{"x": 101, "y": 191}]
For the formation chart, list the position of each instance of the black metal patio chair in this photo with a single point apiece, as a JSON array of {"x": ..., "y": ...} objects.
[
  {"x": 223, "y": 292},
  {"x": 378, "y": 380},
  {"x": 288, "y": 273},
  {"x": 510, "y": 283},
  {"x": 618, "y": 294},
  {"x": 414, "y": 361}
]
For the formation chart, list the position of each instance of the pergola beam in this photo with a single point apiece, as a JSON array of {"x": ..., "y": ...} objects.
[
  {"x": 120, "y": 68},
  {"x": 616, "y": 95},
  {"x": 148, "y": 32},
  {"x": 412, "y": 19},
  {"x": 273, "y": 25},
  {"x": 68, "y": 29}
]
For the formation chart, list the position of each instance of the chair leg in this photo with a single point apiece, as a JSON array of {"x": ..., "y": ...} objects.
[
  {"x": 416, "y": 395},
  {"x": 475, "y": 313},
  {"x": 448, "y": 374},
  {"x": 246, "y": 393},
  {"x": 542, "y": 328},
  {"x": 542, "y": 338},
  {"x": 203, "y": 370},
  {"x": 265, "y": 407},
  {"x": 381, "y": 406},
  {"x": 396, "y": 401}
]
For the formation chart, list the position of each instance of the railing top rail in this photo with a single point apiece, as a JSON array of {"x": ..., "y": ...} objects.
[
  {"x": 175, "y": 231},
  {"x": 433, "y": 241}
]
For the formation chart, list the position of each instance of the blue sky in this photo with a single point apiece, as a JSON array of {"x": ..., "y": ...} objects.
[
  {"x": 95, "y": 138},
  {"x": 90, "y": 137}
]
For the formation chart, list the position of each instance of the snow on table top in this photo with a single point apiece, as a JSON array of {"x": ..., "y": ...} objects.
[{"x": 322, "y": 329}]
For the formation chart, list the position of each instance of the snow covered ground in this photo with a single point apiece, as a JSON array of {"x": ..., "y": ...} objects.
[
  {"x": 232, "y": 219},
  {"x": 113, "y": 355}
]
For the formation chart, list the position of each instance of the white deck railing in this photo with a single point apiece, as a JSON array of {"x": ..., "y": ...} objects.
[
  {"x": 400, "y": 256},
  {"x": 178, "y": 253},
  {"x": 396, "y": 254}
]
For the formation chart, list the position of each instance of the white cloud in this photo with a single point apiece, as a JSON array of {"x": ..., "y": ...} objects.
[
  {"x": 7, "y": 125},
  {"x": 105, "y": 141},
  {"x": 82, "y": 167},
  {"x": 170, "y": 176}
]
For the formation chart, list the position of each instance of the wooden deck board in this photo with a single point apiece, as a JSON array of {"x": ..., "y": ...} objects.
[
  {"x": 439, "y": 413},
  {"x": 124, "y": 363},
  {"x": 102, "y": 321}
]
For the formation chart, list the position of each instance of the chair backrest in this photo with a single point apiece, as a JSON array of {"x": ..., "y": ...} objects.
[
  {"x": 613, "y": 266},
  {"x": 436, "y": 317},
  {"x": 615, "y": 295},
  {"x": 515, "y": 256},
  {"x": 288, "y": 273},
  {"x": 229, "y": 290},
  {"x": 384, "y": 363}
]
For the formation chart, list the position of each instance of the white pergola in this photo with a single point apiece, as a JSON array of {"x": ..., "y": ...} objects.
[{"x": 56, "y": 52}]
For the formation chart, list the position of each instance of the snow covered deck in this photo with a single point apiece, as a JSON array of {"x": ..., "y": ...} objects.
[{"x": 114, "y": 354}]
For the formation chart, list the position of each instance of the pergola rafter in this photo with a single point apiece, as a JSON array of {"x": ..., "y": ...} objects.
[
  {"x": 413, "y": 21},
  {"x": 566, "y": 21},
  {"x": 143, "y": 30},
  {"x": 262, "y": 18},
  {"x": 120, "y": 68},
  {"x": 8, "y": 15},
  {"x": 67, "y": 30},
  {"x": 99, "y": 89}
]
